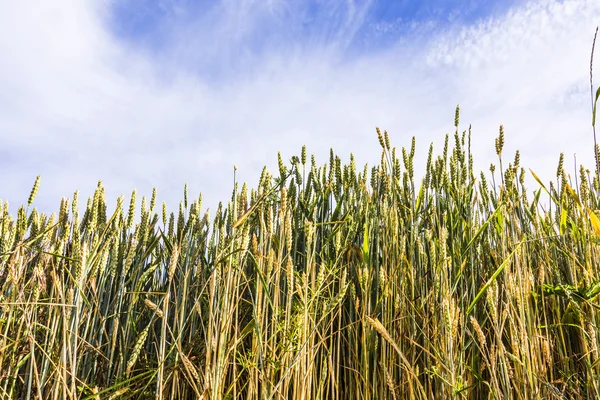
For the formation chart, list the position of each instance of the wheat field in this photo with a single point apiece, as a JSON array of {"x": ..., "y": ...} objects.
[{"x": 324, "y": 282}]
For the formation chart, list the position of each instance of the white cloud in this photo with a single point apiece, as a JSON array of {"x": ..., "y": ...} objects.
[
  {"x": 530, "y": 71},
  {"x": 79, "y": 105}
]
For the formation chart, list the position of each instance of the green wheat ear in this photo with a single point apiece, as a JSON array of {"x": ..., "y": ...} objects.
[
  {"x": 457, "y": 116},
  {"x": 34, "y": 191},
  {"x": 500, "y": 141}
]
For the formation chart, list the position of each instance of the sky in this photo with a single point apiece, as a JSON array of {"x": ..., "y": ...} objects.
[{"x": 143, "y": 94}]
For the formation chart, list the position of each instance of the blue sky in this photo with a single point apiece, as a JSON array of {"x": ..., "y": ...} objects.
[
  {"x": 166, "y": 30},
  {"x": 144, "y": 94},
  {"x": 143, "y": 22}
]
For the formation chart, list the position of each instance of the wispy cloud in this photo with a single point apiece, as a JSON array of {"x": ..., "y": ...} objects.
[{"x": 237, "y": 81}]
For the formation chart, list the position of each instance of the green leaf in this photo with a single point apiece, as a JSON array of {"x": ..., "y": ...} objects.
[
  {"x": 595, "y": 102},
  {"x": 482, "y": 229},
  {"x": 365, "y": 244},
  {"x": 419, "y": 198},
  {"x": 592, "y": 291},
  {"x": 538, "y": 180},
  {"x": 491, "y": 280},
  {"x": 499, "y": 223},
  {"x": 543, "y": 186}
]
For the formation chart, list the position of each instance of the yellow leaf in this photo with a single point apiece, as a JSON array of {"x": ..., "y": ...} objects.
[
  {"x": 573, "y": 194},
  {"x": 563, "y": 221},
  {"x": 595, "y": 221}
]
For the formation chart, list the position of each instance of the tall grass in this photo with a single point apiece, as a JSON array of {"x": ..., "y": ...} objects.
[{"x": 324, "y": 282}]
